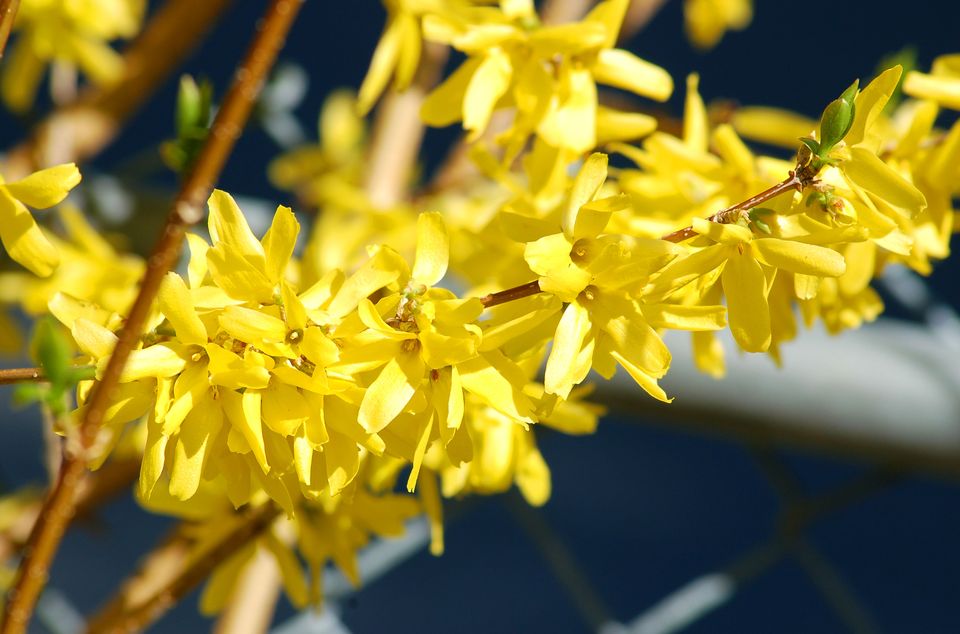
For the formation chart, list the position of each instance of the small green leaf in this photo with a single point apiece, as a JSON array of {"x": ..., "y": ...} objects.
[
  {"x": 27, "y": 393},
  {"x": 189, "y": 105},
  {"x": 836, "y": 119},
  {"x": 762, "y": 226},
  {"x": 53, "y": 351},
  {"x": 812, "y": 145}
]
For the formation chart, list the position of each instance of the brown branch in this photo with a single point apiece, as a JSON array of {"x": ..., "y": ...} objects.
[
  {"x": 82, "y": 129},
  {"x": 639, "y": 14},
  {"x": 19, "y": 375},
  {"x": 135, "y": 618},
  {"x": 797, "y": 180},
  {"x": 398, "y": 132},
  {"x": 187, "y": 209},
  {"x": 95, "y": 489},
  {"x": 511, "y": 294},
  {"x": 8, "y": 15},
  {"x": 252, "y": 605}
]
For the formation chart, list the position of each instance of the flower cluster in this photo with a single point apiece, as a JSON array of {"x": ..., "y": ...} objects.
[
  {"x": 66, "y": 32},
  {"x": 403, "y": 348}
]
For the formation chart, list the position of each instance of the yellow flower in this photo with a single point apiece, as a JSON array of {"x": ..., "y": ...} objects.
[
  {"x": 549, "y": 73},
  {"x": 66, "y": 31},
  {"x": 21, "y": 236},
  {"x": 749, "y": 265},
  {"x": 708, "y": 20},
  {"x": 941, "y": 84}
]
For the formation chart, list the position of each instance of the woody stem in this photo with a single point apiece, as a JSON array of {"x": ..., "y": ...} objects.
[
  {"x": 797, "y": 180},
  {"x": 187, "y": 209},
  {"x": 8, "y": 15}
]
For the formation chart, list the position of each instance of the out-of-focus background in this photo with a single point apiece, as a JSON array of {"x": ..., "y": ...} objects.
[{"x": 742, "y": 518}]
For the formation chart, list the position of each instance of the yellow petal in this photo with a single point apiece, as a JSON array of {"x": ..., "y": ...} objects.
[
  {"x": 440, "y": 350},
  {"x": 444, "y": 106},
  {"x": 623, "y": 69},
  {"x": 291, "y": 573},
  {"x": 498, "y": 382},
  {"x": 318, "y": 348},
  {"x": 870, "y": 103},
  {"x": 342, "y": 458},
  {"x": 23, "y": 239},
  {"x": 232, "y": 272},
  {"x": 433, "y": 508},
  {"x": 487, "y": 85},
  {"x": 572, "y": 123},
  {"x": 943, "y": 90},
  {"x": 227, "y": 224},
  {"x": 47, "y": 187},
  {"x": 381, "y": 67},
  {"x": 223, "y": 581},
  {"x": 614, "y": 125},
  {"x": 678, "y": 317},
  {"x": 156, "y": 361},
  {"x": 638, "y": 343},
  {"x": 243, "y": 412},
  {"x": 695, "y": 124},
  {"x": 588, "y": 182},
  {"x": 193, "y": 442},
  {"x": 720, "y": 232},
  {"x": 644, "y": 380},
  {"x": 382, "y": 269},
  {"x": 197, "y": 267},
  {"x": 252, "y": 326},
  {"x": 229, "y": 370},
  {"x": 391, "y": 391},
  {"x": 744, "y": 285},
  {"x": 879, "y": 179},
  {"x": 284, "y": 408},
  {"x": 279, "y": 241},
  {"x": 772, "y": 125},
  {"x": 177, "y": 306},
  {"x": 93, "y": 339},
  {"x": 433, "y": 249},
  {"x": 533, "y": 474},
  {"x": 563, "y": 371},
  {"x": 154, "y": 455},
  {"x": 798, "y": 257},
  {"x": 423, "y": 439},
  {"x": 684, "y": 270}
]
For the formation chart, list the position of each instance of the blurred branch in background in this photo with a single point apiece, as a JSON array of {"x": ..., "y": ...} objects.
[
  {"x": 186, "y": 210},
  {"x": 8, "y": 15},
  {"x": 82, "y": 129}
]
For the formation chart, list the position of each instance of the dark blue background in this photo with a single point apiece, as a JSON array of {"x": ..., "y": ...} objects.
[{"x": 644, "y": 508}]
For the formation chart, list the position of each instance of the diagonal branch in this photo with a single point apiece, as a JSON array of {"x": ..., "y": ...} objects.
[
  {"x": 187, "y": 209},
  {"x": 795, "y": 182},
  {"x": 129, "y": 615},
  {"x": 8, "y": 15},
  {"x": 82, "y": 129}
]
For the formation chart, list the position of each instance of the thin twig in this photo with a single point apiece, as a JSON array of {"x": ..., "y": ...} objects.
[
  {"x": 511, "y": 294},
  {"x": 81, "y": 129},
  {"x": 639, "y": 14},
  {"x": 794, "y": 182},
  {"x": 253, "y": 602},
  {"x": 398, "y": 132},
  {"x": 137, "y": 617},
  {"x": 21, "y": 375},
  {"x": 8, "y": 15},
  {"x": 187, "y": 209}
]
